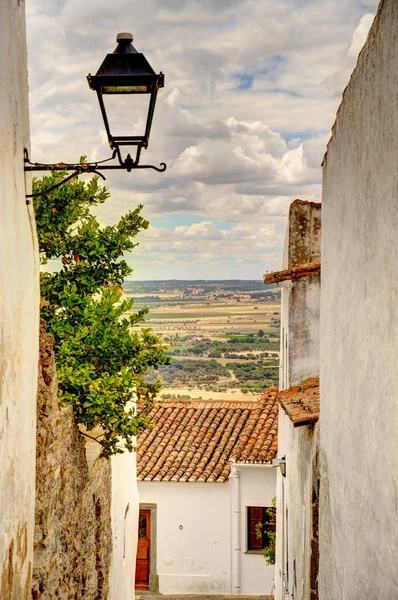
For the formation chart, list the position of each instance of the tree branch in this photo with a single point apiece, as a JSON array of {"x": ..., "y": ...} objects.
[{"x": 93, "y": 438}]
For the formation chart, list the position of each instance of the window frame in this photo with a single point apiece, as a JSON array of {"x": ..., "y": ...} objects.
[{"x": 264, "y": 520}]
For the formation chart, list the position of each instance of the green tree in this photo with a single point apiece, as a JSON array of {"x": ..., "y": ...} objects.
[
  {"x": 261, "y": 333},
  {"x": 269, "y": 527},
  {"x": 101, "y": 354}
]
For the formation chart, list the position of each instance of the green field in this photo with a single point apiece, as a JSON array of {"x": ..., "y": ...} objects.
[{"x": 223, "y": 337}]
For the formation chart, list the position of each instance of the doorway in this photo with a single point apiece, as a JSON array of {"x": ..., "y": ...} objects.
[{"x": 143, "y": 567}]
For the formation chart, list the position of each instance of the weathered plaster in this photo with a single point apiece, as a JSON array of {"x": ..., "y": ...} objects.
[
  {"x": 124, "y": 512},
  {"x": 304, "y": 233},
  {"x": 304, "y": 329},
  {"x": 302, "y": 474},
  {"x": 19, "y": 309},
  {"x": 359, "y": 316},
  {"x": 258, "y": 487},
  {"x": 300, "y": 299},
  {"x": 294, "y": 501},
  {"x": 300, "y": 360},
  {"x": 193, "y": 540}
]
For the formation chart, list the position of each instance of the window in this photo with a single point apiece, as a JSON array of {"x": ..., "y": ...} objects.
[
  {"x": 142, "y": 528},
  {"x": 259, "y": 522}
]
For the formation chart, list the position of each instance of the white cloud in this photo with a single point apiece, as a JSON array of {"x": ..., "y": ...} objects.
[
  {"x": 251, "y": 91},
  {"x": 204, "y": 230},
  {"x": 360, "y": 34}
]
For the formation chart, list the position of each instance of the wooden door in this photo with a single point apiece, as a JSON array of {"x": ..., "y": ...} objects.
[{"x": 143, "y": 551}]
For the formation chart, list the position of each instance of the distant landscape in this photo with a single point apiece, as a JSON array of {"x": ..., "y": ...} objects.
[{"x": 223, "y": 336}]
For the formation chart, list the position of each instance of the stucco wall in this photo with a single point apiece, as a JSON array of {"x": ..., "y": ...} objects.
[
  {"x": 359, "y": 316},
  {"x": 258, "y": 487},
  {"x": 304, "y": 233},
  {"x": 282, "y": 490},
  {"x": 300, "y": 360},
  {"x": 302, "y": 479},
  {"x": 295, "y": 502},
  {"x": 284, "y": 339},
  {"x": 300, "y": 330},
  {"x": 193, "y": 538},
  {"x": 124, "y": 512},
  {"x": 19, "y": 323},
  {"x": 300, "y": 298},
  {"x": 304, "y": 329}
]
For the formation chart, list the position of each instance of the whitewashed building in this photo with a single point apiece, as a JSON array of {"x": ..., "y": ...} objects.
[
  {"x": 19, "y": 310},
  {"x": 359, "y": 329},
  {"x": 297, "y": 555},
  {"x": 205, "y": 482},
  {"x": 124, "y": 511}
]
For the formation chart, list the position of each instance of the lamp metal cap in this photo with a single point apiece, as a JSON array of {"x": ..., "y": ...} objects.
[{"x": 124, "y": 37}]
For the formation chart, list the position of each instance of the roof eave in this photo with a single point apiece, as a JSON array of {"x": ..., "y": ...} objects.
[
  {"x": 293, "y": 273},
  {"x": 309, "y": 421}
]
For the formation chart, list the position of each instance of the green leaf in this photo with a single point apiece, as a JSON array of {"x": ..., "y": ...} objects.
[{"x": 101, "y": 354}]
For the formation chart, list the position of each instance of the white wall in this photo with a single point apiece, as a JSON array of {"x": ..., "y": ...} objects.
[
  {"x": 284, "y": 339},
  {"x": 300, "y": 360},
  {"x": 19, "y": 310},
  {"x": 285, "y": 439},
  {"x": 301, "y": 476},
  {"x": 193, "y": 540},
  {"x": 124, "y": 516},
  {"x": 304, "y": 329},
  {"x": 258, "y": 486},
  {"x": 300, "y": 330},
  {"x": 300, "y": 298},
  {"x": 294, "y": 495},
  {"x": 359, "y": 317},
  {"x": 193, "y": 536}
]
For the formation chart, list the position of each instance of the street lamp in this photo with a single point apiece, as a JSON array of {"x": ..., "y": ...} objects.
[
  {"x": 124, "y": 72},
  {"x": 281, "y": 463}
]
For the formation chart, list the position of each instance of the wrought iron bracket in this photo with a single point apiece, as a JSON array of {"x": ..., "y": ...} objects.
[{"x": 96, "y": 167}]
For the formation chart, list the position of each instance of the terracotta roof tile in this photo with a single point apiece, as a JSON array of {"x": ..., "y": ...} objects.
[
  {"x": 293, "y": 273},
  {"x": 301, "y": 403},
  {"x": 195, "y": 441}
]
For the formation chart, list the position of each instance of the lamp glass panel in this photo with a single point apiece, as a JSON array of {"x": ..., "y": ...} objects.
[
  {"x": 125, "y": 89},
  {"x": 127, "y": 114}
]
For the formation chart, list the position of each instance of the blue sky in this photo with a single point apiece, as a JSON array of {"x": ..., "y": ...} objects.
[{"x": 252, "y": 88}]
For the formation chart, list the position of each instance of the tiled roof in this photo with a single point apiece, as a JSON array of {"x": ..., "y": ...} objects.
[
  {"x": 301, "y": 403},
  {"x": 195, "y": 441},
  {"x": 293, "y": 273}
]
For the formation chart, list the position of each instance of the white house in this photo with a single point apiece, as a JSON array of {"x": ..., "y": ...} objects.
[
  {"x": 205, "y": 481},
  {"x": 297, "y": 555}
]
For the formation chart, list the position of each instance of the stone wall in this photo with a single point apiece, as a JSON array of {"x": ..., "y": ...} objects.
[
  {"x": 19, "y": 315},
  {"x": 304, "y": 233},
  {"x": 359, "y": 339},
  {"x": 73, "y": 539}
]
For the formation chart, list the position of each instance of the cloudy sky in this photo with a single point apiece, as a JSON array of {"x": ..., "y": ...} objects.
[{"x": 252, "y": 88}]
